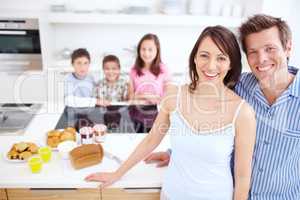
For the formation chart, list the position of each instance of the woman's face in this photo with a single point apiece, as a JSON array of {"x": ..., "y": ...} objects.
[
  {"x": 212, "y": 64},
  {"x": 148, "y": 51}
]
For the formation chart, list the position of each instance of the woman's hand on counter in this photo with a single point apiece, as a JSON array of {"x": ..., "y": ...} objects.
[{"x": 107, "y": 178}]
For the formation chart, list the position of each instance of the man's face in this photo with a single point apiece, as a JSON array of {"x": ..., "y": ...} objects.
[{"x": 266, "y": 56}]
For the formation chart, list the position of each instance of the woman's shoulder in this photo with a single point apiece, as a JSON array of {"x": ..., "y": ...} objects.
[
  {"x": 241, "y": 104},
  {"x": 163, "y": 68},
  {"x": 133, "y": 71},
  {"x": 170, "y": 98},
  {"x": 246, "y": 112}
]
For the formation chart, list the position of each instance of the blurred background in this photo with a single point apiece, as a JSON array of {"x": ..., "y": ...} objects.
[{"x": 115, "y": 27}]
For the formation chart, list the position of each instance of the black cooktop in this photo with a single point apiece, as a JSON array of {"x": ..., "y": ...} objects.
[{"x": 118, "y": 118}]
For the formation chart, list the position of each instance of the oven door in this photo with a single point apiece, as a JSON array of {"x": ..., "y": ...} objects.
[{"x": 20, "y": 50}]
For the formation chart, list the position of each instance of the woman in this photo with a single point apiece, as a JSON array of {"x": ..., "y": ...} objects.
[{"x": 206, "y": 121}]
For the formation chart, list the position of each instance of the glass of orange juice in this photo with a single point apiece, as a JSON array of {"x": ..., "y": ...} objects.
[
  {"x": 45, "y": 154},
  {"x": 35, "y": 164}
]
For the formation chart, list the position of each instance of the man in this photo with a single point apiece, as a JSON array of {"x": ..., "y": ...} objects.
[{"x": 273, "y": 90}]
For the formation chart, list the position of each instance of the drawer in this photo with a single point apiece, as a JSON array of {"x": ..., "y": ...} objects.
[
  {"x": 3, "y": 194},
  {"x": 53, "y": 194},
  {"x": 131, "y": 194}
]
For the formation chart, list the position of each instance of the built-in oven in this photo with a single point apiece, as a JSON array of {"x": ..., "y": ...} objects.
[{"x": 20, "y": 46}]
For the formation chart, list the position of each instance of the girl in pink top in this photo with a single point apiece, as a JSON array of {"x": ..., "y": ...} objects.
[{"x": 148, "y": 76}]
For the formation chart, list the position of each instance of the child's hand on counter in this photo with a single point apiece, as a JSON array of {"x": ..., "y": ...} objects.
[{"x": 102, "y": 102}]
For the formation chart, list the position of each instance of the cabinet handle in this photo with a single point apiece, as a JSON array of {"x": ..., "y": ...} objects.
[
  {"x": 53, "y": 189},
  {"x": 142, "y": 190}
]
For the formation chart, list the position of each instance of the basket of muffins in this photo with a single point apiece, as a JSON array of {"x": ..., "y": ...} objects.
[{"x": 55, "y": 137}]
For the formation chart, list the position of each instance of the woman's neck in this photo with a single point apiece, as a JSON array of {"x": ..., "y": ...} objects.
[
  {"x": 147, "y": 66},
  {"x": 210, "y": 90}
]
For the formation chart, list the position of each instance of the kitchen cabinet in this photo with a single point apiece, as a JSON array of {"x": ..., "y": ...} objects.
[
  {"x": 131, "y": 194},
  {"x": 131, "y": 19},
  {"x": 3, "y": 194},
  {"x": 81, "y": 194},
  {"x": 27, "y": 87},
  {"x": 53, "y": 194}
]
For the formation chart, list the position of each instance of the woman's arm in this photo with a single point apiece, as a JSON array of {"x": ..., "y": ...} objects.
[
  {"x": 244, "y": 145},
  {"x": 148, "y": 144}
]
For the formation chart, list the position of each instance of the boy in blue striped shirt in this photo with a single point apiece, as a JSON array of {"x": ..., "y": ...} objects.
[{"x": 273, "y": 90}]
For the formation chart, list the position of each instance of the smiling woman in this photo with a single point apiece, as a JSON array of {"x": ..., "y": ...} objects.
[
  {"x": 224, "y": 59},
  {"x": 206, "y": 121}
]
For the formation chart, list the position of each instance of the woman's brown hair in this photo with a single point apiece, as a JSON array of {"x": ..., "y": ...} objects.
[
  {"x": 228, "y": 44},
  {"x": 139, "y": 63}
]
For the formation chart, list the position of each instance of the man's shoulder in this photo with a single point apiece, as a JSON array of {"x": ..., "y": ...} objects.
[
  {"x": 247, "y": 78},
  {"x": 246, "y": 83}
]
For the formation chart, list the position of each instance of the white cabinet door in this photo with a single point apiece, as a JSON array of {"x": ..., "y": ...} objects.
[{"x": 23, "y": 88}]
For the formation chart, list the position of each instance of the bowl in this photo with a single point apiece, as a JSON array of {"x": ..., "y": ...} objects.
[{"x": 65, "y": 147}]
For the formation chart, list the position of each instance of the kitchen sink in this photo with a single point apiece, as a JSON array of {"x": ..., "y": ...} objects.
[{"x": 14, "y": 118}]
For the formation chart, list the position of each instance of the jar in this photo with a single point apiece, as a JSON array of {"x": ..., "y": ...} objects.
[
  {"x": 100, "y": 131},
  {"x": 86, "y": 135}
]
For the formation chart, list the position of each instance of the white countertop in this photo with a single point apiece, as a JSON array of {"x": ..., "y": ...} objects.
[{"x": 58, "y": 173}]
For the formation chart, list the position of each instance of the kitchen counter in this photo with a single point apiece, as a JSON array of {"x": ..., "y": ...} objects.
[{"x": 58, "y": 173}]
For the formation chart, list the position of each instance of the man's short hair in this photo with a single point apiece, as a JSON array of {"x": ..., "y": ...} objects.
[{"x": 261, "y": 22}]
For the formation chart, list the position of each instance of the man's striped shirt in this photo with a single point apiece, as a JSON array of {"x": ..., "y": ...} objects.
[{"x": 276, "y": 159}]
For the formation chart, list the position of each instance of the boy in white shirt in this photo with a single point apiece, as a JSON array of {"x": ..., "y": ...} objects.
[{"x": 79, "y": 86}]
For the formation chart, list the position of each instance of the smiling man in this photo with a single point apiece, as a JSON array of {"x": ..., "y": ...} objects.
[{"x": 273, "y": 90}]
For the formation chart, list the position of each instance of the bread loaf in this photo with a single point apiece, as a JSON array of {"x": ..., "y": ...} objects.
[{"x": 86, "y": 155}]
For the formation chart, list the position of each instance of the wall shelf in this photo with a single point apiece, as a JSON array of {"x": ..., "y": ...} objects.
[{"x": 157, "y": 19}]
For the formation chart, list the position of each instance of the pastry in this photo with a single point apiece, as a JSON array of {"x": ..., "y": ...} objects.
[
  {"x": 70, "y": 129},
  {"x": 21, "y": 146},
  {"x": 22, "y": 150},
  {"x": 25, "y": 155},
  {"x": 12, "y": 154},
  {"x": 53, "y": 133},
  {"x": 66, "y": 135},
  {"x": 53, "y": 141},
  {"x": 33, "y": 148}
]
